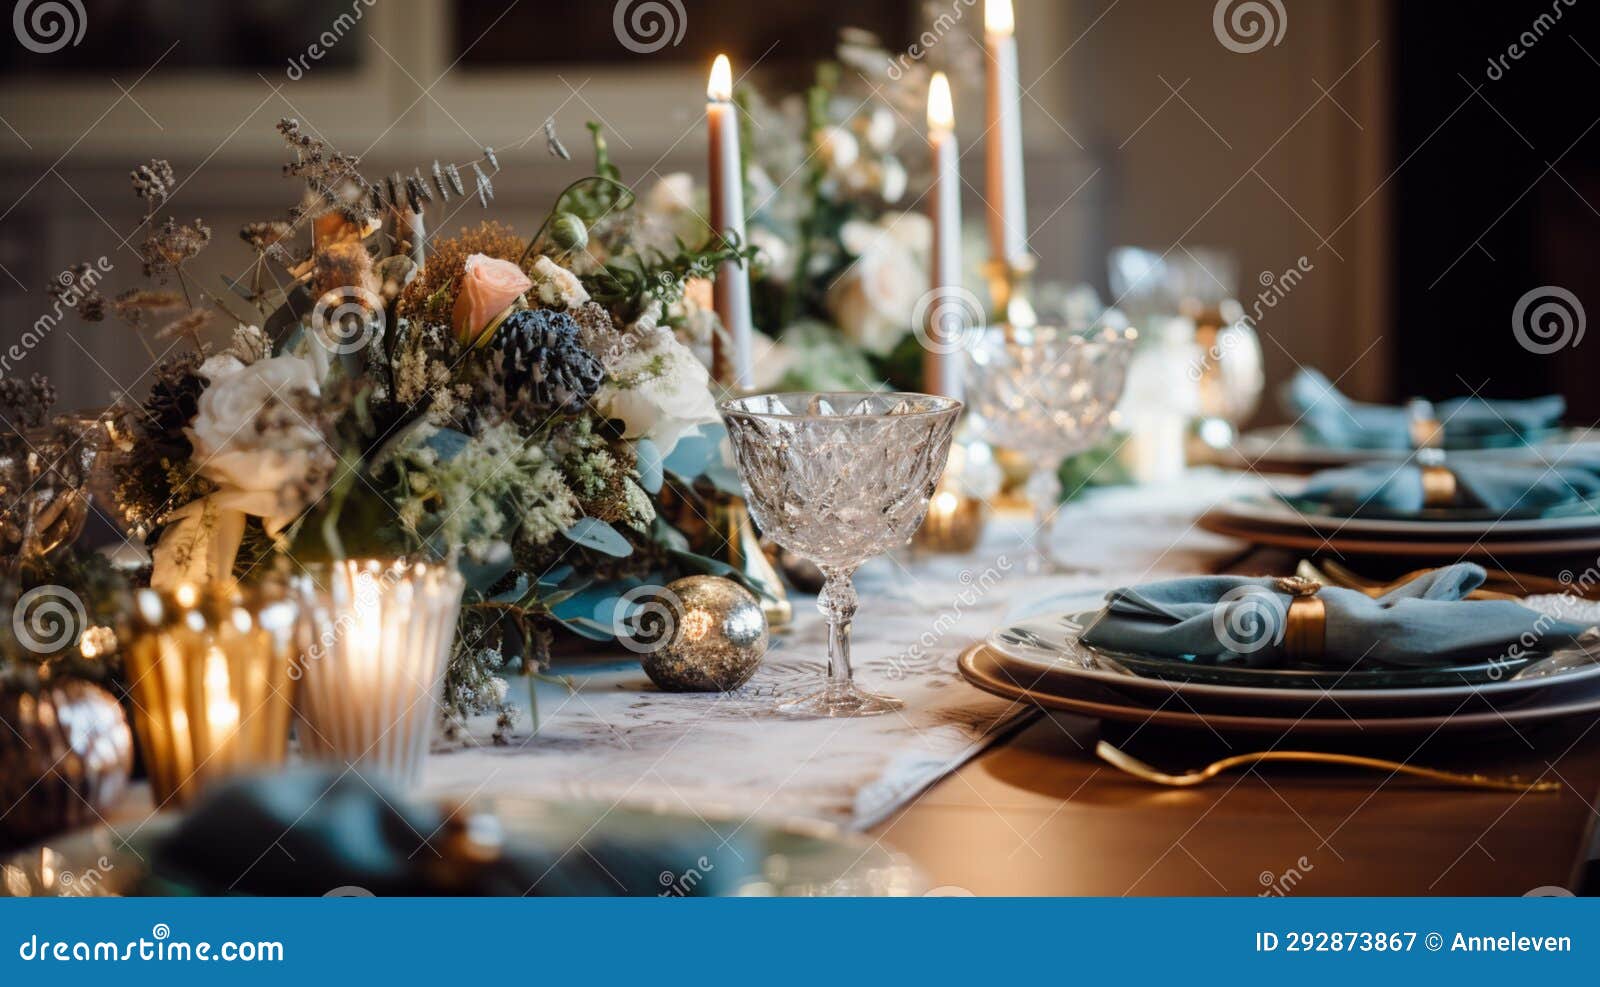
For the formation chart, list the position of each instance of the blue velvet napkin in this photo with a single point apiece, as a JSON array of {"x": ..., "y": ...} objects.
[
  {"x": 308, "y": 831},
  {"x": 1240, "y": 620},
  {"x": 1508, "y": 489},
  {"x": 1331, "y": 419}
]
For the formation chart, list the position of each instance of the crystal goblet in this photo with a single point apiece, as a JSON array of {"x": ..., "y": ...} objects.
[
  {"x": 1048, "y": 392},
  {"x": 838, "y": 478}
]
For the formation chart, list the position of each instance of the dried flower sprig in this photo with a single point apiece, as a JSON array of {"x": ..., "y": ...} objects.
[{"x": 154, "y": 183}]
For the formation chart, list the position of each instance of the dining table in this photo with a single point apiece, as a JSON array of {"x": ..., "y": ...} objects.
[
  {"x": 990, "y": 796},
  {"x": 1039, "y": 813}
]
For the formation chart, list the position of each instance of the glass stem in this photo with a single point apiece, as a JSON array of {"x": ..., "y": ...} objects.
[
  {"x": 1044, "y": 493},
  {"x": 838, "y": 605}
]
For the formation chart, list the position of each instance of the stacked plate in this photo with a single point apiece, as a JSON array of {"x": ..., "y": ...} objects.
[
  {"x": 1043, "y": 661},
  {"x": 1442, "y": 535},
  {"x": 1284, "y": 448}
]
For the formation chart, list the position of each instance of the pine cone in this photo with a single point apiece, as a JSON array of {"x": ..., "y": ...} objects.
[{"x": 546, "y": 366}]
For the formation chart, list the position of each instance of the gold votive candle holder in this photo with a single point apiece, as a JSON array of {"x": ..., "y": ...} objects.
[
  {"x": 209, "y": 673},
  {"x": 376, "y": 640},
  {"x": 953, "y": 525}
]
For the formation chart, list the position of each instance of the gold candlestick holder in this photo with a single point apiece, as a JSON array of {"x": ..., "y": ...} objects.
[
  {"x": 1009, "y": 291},
  {"x": 718, "y": 526}
]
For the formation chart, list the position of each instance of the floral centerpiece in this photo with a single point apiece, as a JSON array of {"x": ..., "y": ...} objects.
[{"x": 519, "y": 406}]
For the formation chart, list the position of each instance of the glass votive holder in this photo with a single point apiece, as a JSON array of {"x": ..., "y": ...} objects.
[
  {"x": 376, "y": 638},
  {"x": 209, "y": 668}
]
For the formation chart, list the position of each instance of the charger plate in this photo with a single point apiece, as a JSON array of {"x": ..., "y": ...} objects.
[
  {"x": 1432, "y": 524},
  {"x": 1452, "y": 549},
  {"x": 797, "y": 858},
  {"x": 982, "y": 667}
]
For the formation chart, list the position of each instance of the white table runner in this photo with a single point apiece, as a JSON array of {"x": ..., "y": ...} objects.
[{"x": 617, "y": 739}]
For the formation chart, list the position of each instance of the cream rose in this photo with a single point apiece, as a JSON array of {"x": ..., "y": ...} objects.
[
  {"x": 875, "y": 299},
  {"x": 557, "y": 286},
  {"x": 260, "y": 467},
  {"x": 659, "y": 392},
  {"x": 488, "y": 287}
]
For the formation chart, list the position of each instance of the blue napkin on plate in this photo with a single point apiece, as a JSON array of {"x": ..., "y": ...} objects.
[
  {"x": 1509, "y": 489},
  {"x": 1425, "y": 623},
  {"x": 1329, "y": 418},
  {"x": 309, "y": 831}
]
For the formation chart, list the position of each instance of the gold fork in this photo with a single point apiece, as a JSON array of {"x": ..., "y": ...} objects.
[{"x": 1139, "y": 769}]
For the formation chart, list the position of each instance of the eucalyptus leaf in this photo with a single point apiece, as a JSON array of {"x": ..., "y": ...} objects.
[
  {"x": 650, "y": 466},
  {"x": 447, "y": 443},
  {"x": 596, "y": 534},
  {"x": 283, "y": 326}
]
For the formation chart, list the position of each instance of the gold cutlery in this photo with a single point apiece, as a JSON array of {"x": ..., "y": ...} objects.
[{"x": 1139, "y": 769}]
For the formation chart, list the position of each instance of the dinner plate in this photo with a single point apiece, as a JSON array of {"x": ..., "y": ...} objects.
[
  {"x": 1043, "y": 653},
  {"x": 799, "y": 858},
  {"x": 1455, "y": 548},
  {"x": 1272, "y": 510},
  {"x": 980, "y": 666},
  {"x": 1289, "y": 446}
]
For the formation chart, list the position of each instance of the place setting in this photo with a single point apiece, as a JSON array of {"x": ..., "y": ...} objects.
[{"x": 1293, "y": 657}]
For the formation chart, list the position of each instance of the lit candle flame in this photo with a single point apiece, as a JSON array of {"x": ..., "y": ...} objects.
[
  {"x": 222, "y": 711},
  {"x": 998, "y": 18},
  {"x": 720, "y": 88},
  {"x": 941, "y": 109}
]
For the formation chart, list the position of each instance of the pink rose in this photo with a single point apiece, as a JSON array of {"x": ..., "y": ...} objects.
[{"x": 488, "y": 287}]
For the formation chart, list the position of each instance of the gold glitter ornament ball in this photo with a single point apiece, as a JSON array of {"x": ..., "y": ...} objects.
[{"x": 712, "y": 633}]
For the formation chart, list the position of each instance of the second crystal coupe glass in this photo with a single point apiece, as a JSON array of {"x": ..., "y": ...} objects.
[
  {"x": 837, "y": 478},
  {"x": 1049, "y": 393}
]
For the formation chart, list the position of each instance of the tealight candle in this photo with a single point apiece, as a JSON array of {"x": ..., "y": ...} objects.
[
  {"x": 211, "y": 683},
  {"x": 378, "y": 640}
]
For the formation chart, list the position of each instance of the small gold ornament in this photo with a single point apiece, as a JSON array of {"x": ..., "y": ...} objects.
[{"x": 712, "y": 635}]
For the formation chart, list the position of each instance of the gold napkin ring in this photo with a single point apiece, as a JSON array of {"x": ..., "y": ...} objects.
[
  {"x": 1438, "y": 486},
  {"x": 1426, "y": 433},
  {"x": 1306, "y": 624}
]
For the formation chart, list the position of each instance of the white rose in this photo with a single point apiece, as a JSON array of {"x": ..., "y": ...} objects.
[
  {"x": 659, "y": 392},
  {"x": 672, "y": 194},
  {"x": 875, "y": 299},
  {"x": 557, "y": 286},
  {"x": 837, "y": 148},
  {"x": 258, "y": 470}
]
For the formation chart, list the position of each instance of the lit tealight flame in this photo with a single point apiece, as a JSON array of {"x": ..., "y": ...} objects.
[
  {"x": 720, "y": 88},
  {"x": 998, "y": 18},
  {"x": 941, "y": 109},
  {"x": 222, "y": 711}
]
